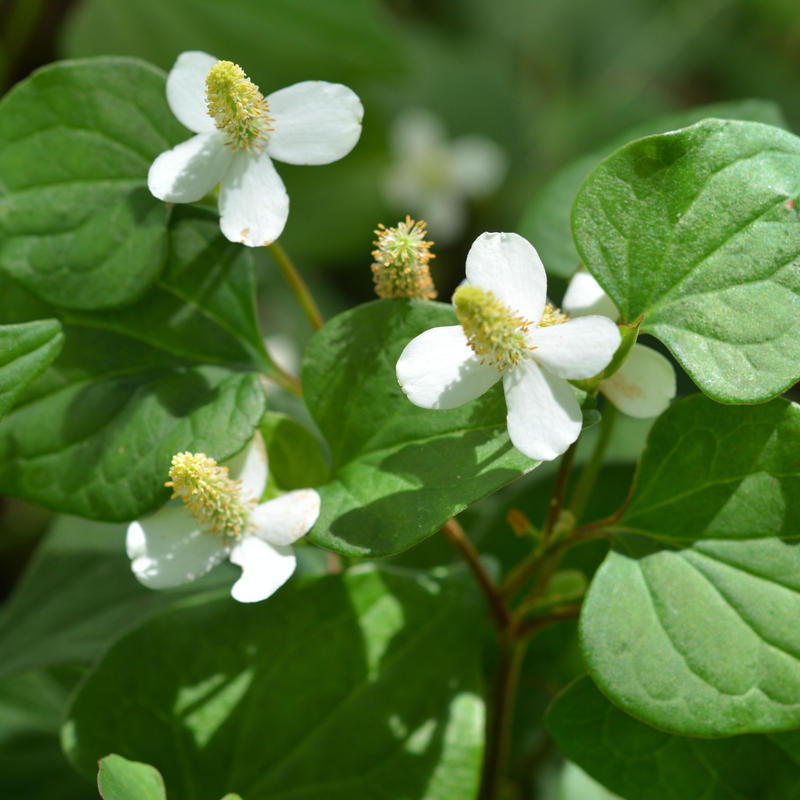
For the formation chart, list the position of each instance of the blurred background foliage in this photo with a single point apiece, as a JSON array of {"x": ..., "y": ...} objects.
[{"x": 546, "y": 80}]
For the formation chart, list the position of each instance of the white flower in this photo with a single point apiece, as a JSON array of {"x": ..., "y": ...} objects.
[
  {"x": 433, "y": 177},
  {"x": 508, "y": 331},
  {"x": 221, "y": 517},
  {"x": 645, "y": 383},
  {"x": 239, "y": 132}
]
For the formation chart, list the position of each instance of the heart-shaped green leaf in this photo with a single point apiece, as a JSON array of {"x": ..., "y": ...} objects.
[
  {"x": 120, "y": 779},
  {"x": 26, "y": 350},
  {"x": 699, "y": 231},
  {"x": 308, "y": 693},
  {"x": 644, "y": 763},
  {"x": 78, "y": 225},
  {"x": 398, "y": 472},
  {"x": 546, "y": 222},
  {"x": 719, "y": 472}
]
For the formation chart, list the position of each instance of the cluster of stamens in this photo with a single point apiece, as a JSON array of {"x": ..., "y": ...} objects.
[
  {"x": 237, "y": 106},
  {"x": 553, "y": 316},
  {"x": 401, "y": 261},
  {"x": 493, "y": 330},
  {"x": 209, "y": 495}
]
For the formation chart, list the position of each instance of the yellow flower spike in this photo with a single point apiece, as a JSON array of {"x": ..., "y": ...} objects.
[
  {"x": 492, "y": 329},
  {"x": 237, "y": 106},
  {"x": 401, "y": 258},
  {"x": 209, "y": 495}
]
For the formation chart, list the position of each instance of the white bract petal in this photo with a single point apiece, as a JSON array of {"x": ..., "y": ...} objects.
[
  {"x": 585, "y": 296},
  {"x": 253, "y": 202},
  {"x": 544, "y": 418},
  {"x": 249, "y": 467},
  {"x": 643, "y": 386},
  {"x": 576, "y": 349},
  {"x": 415, "y": 132},
  {"x": 189, "y": 170},
  {"x": 169, "y": 548},
  {"x": 314, "y": 122},
  {"x": 437, "y": 369},
  {"x": 186, "y": 90},
  {"x": 510, "y": 268},
  {"x": 264, "y": 569},
  {"x": 283, "y": 520},
  {"x": 478, "y": 165}
]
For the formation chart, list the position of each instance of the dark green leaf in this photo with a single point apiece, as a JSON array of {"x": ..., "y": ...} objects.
[
  {"x": 398, "y": 472},
  {"x": 94, "y": 436},
  {"x": 335, "y": 689},
  {"x": 26, "y": 350},
  {"x": 643, "y": 763},
  {"x": 699, "y": 231},
  {"x": 294, "y": 454},
  {"x": 719, "y": 472},
  {"x": 32, "y": 765},
  {"x": 77, "y": 595},
  {"x": 546, "y": 222},
  {"x": 120, "y": 779},
  {"x": 78, "y": 225}
]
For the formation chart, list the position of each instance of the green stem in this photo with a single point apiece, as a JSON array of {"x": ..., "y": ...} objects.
[
  {"x": 511, "y": 653},
  {"x": 588, "y": 476},
  {"x": 296, "y": 284},
  {"x": 559, "y": 490}
]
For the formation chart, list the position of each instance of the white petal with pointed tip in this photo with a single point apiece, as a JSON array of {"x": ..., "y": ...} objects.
[
  {"x": 643, "y": 386},
  {"x": 264, "y": 569},
  {"x": 576, "y": 349},
  {"x": 186, "y": 90},
  {"x": 585, "y": 295},
  {"x": 437, "y": 369},
  {"x": 253, "y": 203},
  {"x": 249, "y": 467},
  {"x": 285, "y": 519},
  {"x": 190, "y": 170},
  {"x": 478, "y": 165},
  {"x": 314, "y": 122},
  {"x": 544, "y": 418},
  {"x": 169, "y": 549},
  {"x": 507, "y": 265}
]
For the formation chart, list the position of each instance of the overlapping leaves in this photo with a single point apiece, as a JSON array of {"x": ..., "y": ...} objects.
[
  {"x": 95, "y": 434},
  {"x": 700, "y": 637}
]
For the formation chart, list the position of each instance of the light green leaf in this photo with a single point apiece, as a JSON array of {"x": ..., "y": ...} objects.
[
  {"x": 699, "y": 231},
  {"x": 398, "y": 472},
  {"x": 77, "y": 595},
  {"x": 120, "y": 779},
  {"x": 644, "y": 763},
  {"x": 78, "y": 225},
  {"x": 719, "y": 472},
  {"x": 26, "y": 350},
  {"x": 333, "y": 690},
  {"x": 701, "y": 641},
  {"x": 546, "y": 222}
]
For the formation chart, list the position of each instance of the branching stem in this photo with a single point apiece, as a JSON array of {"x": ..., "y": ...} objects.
[{"x": 588, "y": 477}]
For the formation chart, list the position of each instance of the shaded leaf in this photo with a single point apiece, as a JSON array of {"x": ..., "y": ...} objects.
[{"x": 309, "y": 693}]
